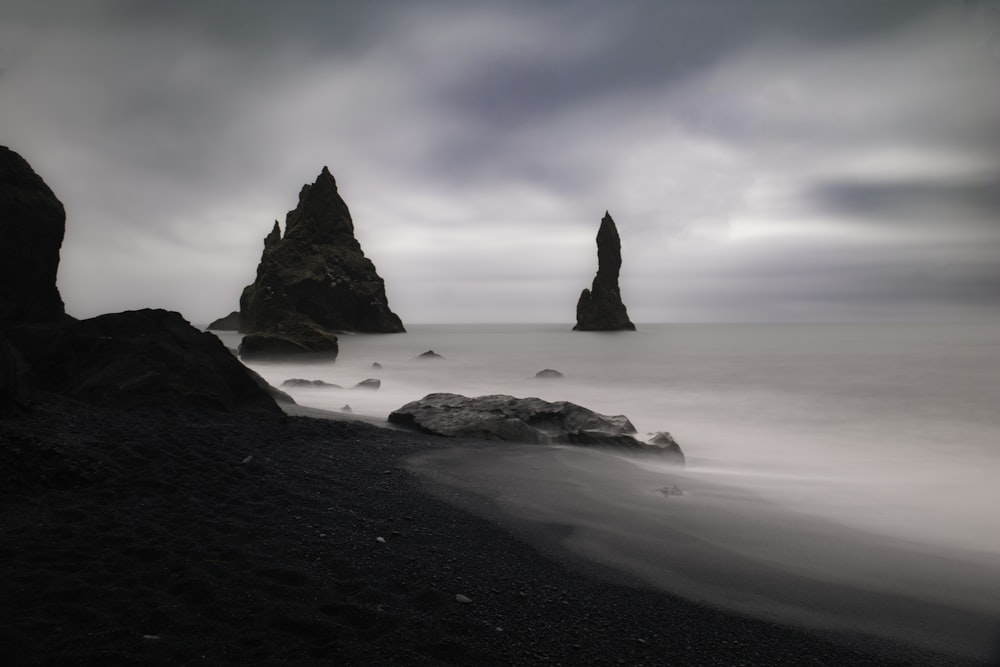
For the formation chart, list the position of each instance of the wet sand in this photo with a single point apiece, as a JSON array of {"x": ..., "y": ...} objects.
[
  {"x": 724, "y": 546},
  {"x": 159, "y": 537}
]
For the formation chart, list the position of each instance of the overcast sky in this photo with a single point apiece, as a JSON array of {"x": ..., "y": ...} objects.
[{"x": 763, "y": 160}]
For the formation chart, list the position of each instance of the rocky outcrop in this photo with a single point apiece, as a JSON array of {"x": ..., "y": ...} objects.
[
  {"x": 139, "y": 358},
  {"x": 295, "y": 337},
  {"x": 600, "y": 308},
  {"x": 230, "y": 322},
  {"x": 143, "y": 358},
  {"x": 315, "y": 277},
  {"x": 523, "y": 420},
  {"x": 32, "y": 224}
]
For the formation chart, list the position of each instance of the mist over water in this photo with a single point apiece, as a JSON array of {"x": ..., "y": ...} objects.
[
  {"x": 864, "y": 456},
  {"x": 892, "y": 428}
]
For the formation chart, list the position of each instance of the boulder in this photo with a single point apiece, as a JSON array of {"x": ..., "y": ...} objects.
[
  {"x": 315, "y": 278},
  {"x": 668, "y": 445},
  {"x": 230, "y": 322},
  {"x": 32, "y": 224},
  {"x": 524, "y": 420},
  {"x": 370, "y": 383},
  {"x": 600, "y": 308},
  {"x": 140, "y": 358},
  {"x": 299, "y": 382},
  {"x": 549, "y": 373},
  {"x": 291, "y": 338}
]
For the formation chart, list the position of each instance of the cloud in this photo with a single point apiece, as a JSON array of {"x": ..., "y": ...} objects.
[{"x": 479, "y": 145}]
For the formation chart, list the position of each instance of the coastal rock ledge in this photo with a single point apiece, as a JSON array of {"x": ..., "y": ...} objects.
[
  {"x": 313, "y": 281},
  {"x": 600, "y": 308},
  {"x": 522, "y": 420}
]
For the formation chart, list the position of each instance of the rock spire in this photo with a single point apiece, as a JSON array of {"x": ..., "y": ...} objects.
[
  {"x": 600, "y": 308},
  {"x": 315, "y": 277}
]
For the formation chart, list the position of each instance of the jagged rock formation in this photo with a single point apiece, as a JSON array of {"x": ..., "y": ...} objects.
[
  {"x": 315, "y": 277},
  {"x": 600, "y": 308},
  {"x": 143, "y": 358},
  {"x": 32, "y": 224},
  {"x": 523, "y": 420}
]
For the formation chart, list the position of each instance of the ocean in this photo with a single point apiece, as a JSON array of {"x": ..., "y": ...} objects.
[{"x": 886, "y": 433}]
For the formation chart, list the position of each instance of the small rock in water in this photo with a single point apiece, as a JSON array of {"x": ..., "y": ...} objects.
[
  {"x": 248, "y": 459},
  {"x": 376, "y": 364},
  {"x": 370, "y": 383},
  {"x": 430, "y": 354},
  {"x": 300, "y": 382},
  {"x": 549, "y": 373},
  {"x": 672, "y": 490},
  {"x": 346, "y": 408},
  {"x": 380, "y": 540},
  {"x": 461, "y": 599}
]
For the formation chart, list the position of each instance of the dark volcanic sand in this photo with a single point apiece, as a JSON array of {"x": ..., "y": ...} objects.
[{"x": 148, "y": 538}]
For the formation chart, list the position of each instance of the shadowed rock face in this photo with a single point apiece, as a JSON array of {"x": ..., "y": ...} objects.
[
  {"x": 600, "y": 308},
  {"x": 32, "y": 224},
  {"x": 316, "y": 276},
  {"x": 142, "y": 358},
  {"x": 136, "y": 358}
]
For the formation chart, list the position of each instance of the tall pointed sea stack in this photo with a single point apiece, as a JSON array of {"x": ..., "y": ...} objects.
[
  {"x": 600, "y": 308},
  {"x": 314, "y": 280}
]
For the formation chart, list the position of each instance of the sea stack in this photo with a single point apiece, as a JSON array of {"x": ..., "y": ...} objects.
[
  {"x": 313, "y": 281},
  {"x": 600, "y": 308}
]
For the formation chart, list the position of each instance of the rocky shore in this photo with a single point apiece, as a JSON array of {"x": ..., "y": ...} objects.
[{"x": 169, "y": 537}]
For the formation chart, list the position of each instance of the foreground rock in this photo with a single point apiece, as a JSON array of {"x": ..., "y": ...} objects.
[
  {"x": 315, "y": 277},
  {"x": 600, "y": 308},
  {"x": 525, "y": 420},
  {"x": 131, "y": 359},
  {"x": 32, "y": 224},
  {"x": 137, "y": 359}
]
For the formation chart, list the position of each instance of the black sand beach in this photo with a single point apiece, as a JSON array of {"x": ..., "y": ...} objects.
[{"x": 160, "y": 537}]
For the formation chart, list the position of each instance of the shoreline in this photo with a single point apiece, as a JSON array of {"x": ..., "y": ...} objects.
[{"x": 178, "y": 537}]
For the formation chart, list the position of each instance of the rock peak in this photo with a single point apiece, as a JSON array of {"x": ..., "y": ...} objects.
[
  {"x": 316, "y": 280},
  {"x": 600, "y": 308}
]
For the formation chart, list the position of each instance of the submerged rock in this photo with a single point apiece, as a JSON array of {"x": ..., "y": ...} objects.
[
  {"x": 524, "y": 420},
  {"x": 668, "y": 445},
  {"x": 429, "y": 354},
  {"x": 600, "y": 308},
  {"x": 549, "y": 373},
  {"x": 315, "y": 278}
]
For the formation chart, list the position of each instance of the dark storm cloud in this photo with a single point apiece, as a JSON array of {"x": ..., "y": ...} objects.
[
  {"x": 736, "y": 142},
  {"x": 914, "y": 201}
]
